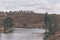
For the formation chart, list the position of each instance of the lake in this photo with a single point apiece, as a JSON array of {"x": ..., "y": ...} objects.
[{"x": 23, "y": 34}]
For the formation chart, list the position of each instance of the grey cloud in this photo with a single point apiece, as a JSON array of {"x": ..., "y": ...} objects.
[{"x": 35, "y": 5}]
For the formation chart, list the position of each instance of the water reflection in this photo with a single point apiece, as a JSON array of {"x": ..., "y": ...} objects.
[
  {"x": 0, "y": 36},
  {"x": 23, "y": 34},
  {"x": 9, "y": 36}
]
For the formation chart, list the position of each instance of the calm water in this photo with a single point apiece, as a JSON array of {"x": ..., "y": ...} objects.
[{"x": 23, "y": 34}]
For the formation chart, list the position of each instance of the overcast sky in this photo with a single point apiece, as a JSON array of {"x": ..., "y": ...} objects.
[{"x": 51, "y": 6}]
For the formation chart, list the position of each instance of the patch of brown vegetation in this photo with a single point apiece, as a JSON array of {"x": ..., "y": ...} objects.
[{"x": 21, "y": 18}]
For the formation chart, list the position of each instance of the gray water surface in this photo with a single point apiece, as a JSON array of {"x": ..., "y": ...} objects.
[{"x": 23, "y": 34}]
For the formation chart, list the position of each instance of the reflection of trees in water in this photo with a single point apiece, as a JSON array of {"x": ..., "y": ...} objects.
[
  {"x": 0, "y": 36},
  {"x": 9, "y": 36}
]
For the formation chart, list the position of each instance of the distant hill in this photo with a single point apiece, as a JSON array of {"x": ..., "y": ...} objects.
[{"x": 25, "y": 19}]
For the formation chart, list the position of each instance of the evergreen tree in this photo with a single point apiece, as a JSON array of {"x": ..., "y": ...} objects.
[
  {"x": 8, "y": 23},
  {"x": 50, "y": 25}
]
